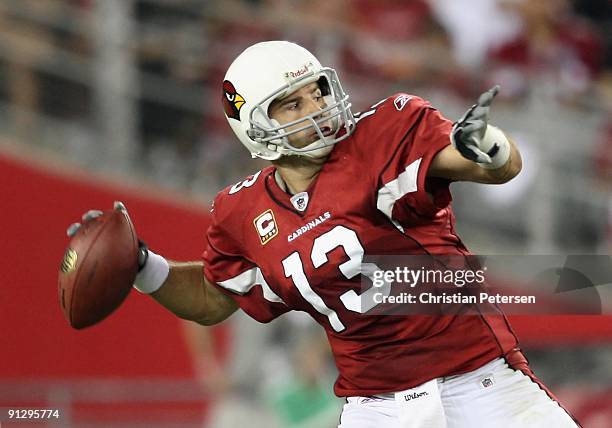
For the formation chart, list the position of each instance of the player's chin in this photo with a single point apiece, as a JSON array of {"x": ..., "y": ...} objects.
[{"x": 305, "y": 141}]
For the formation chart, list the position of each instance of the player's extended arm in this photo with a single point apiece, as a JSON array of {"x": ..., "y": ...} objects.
[
  {"x": 480, "y": 152},
  {"x": 178, "y": 286},
  {"x": 187, "y": 293},
  {"x": 449, "y": 163}
]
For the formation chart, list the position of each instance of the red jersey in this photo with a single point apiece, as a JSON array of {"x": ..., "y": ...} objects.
[{"x": 273, "y": 254}]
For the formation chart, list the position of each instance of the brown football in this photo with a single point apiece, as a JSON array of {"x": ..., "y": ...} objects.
[{"x": 98, "y": 269}]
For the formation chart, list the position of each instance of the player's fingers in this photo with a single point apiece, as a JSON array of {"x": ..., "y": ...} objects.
[
  {"x": 72, "y": 229},
  {"x": 479, "y": 113},
  {"x": 474, "y": 126},
  {"x": 487, "y": 98},
  {"x": 118, "y": 205},
  {"x": 467, "y": 114},
  {"x": 91, "y": 214}
]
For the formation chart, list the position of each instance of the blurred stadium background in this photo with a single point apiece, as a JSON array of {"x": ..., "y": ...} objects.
[{"x": 119, "y": 99}]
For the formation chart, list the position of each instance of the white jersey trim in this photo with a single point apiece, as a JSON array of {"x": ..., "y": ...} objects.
[
  {"x": 243, "y": 283},
  {"x": 394, "y": 190}
]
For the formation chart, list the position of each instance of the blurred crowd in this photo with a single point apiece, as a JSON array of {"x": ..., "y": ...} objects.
[{"x": 553, "y": 59}]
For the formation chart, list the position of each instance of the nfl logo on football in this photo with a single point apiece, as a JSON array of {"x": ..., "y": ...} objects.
[{"x": 265, "y": 224}]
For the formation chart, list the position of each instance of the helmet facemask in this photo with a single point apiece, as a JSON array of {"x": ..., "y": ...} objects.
[{"x": 337, "y": 112}]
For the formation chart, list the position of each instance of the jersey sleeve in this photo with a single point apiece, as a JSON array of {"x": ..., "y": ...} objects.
[
  {"x": 413, "y": 136},
  {"x": 228, "y": 269}
]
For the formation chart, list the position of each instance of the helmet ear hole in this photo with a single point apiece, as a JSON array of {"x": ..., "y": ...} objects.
[
  {"x": 269, "y": 109},
  {"x": 324, "y": 86}
]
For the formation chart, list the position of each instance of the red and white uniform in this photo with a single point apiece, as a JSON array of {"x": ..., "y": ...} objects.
[{"x": 372, "y": 196}]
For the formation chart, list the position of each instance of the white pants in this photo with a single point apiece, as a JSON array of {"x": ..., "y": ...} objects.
[{"x": 494, "y": 395}]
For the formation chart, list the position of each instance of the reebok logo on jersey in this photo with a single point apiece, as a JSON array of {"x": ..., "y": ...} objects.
[
  {"x": 310, "y": 225},
  {"x": 265, "y": 224},
  {"x": 401, "y": 101},
  {"x": 415, "y": 395}
]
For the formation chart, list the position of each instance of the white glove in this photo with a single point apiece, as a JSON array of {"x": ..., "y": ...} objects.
[{"x": 478, "y": 141}]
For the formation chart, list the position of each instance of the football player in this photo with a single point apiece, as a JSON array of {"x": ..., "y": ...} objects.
[{"x": 342, "y": 186}]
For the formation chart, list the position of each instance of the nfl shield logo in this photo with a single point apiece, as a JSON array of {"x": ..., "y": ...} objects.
[
  {"x": 300, "y": 201},
  {"x": 486, "y": 382}
]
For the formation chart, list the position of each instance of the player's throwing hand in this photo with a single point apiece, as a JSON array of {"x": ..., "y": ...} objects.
[
  {"x": 478, "y": 141},
  {"x": 92, "y": 214}
]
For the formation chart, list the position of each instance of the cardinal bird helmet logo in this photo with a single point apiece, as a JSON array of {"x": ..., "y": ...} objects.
[{"x": 232, "y": 101}]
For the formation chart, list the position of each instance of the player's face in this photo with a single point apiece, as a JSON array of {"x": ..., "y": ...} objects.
[{"x": 306, "y": 100}]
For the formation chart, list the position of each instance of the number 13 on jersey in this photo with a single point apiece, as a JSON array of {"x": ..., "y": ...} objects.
[{"x": 339, "y": 236}]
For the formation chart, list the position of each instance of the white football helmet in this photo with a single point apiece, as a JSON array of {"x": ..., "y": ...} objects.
[{"x": 270, "y": 70}]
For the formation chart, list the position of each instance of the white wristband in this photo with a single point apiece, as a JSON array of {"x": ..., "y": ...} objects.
[
  {"x": 493, "y": 136},
  {"x": 152, "y": 276}
]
